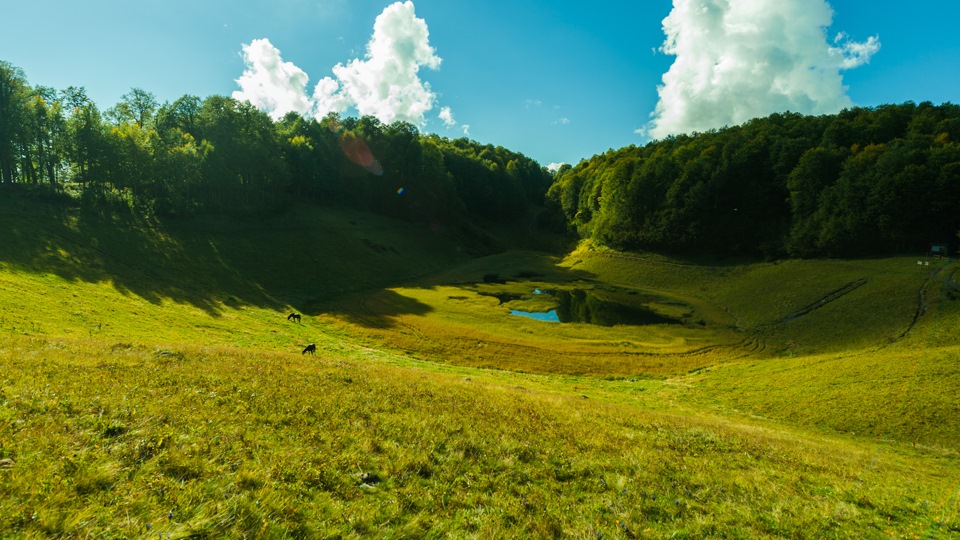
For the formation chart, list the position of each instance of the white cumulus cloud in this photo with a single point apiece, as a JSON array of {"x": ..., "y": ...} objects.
[
  {"x": 555, "y": 166},
  {"x": 327, "y": 99},
  {"x": 271, "y": 84},
  {"x": 447, "y": 116},
  {"x": 852, "y": 53},
  {"x": 385, "y": 83},
  {"x": 740, "y": 59}
]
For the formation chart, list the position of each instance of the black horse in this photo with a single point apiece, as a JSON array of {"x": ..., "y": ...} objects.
[
  {"x": 295, "y": 317},
  {"x": 311, "y": 348}
]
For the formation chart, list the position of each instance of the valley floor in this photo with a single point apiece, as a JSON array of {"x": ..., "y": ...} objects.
[{"x": 165, "y": 392}]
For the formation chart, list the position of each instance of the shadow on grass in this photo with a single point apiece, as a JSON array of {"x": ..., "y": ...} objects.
[
  {"x": 298, "y": 260},
  {"x": 375, "y": 310},
  {"x": 506, "y": 276},
  {"x": 133, "y": 254}
]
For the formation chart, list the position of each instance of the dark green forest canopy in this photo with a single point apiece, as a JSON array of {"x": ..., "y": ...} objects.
[
  {"x": 864, "y": 181},
  {"x": 221, "y": 155}
]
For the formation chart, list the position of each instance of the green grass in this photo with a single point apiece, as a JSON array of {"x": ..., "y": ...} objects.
[
  {"x": 900, "y": 388},
  {"x": 151, "y": 386},
  {"x": 242, "y": 443},
  {"x": 758, "y": 298},
  {"x": 460, "y": 326}
]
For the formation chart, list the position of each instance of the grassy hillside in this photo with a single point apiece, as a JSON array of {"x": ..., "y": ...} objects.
[
  {"x": 879, "y": 358},
  {"x": 151, "y": 385},
  {"x": 207, "y": 280}
]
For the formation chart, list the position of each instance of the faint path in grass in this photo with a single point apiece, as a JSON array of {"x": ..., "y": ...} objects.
[
  {"x": 923, "y": 304},
  {"x": 822, "y": 301}
]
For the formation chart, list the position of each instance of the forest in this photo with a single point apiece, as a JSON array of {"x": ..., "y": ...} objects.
[
  {"x": 220, "y": 155},
  {"x": 865, "y": 181}
]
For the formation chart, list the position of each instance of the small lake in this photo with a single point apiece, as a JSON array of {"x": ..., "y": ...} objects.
[
  {"x": 585, "y": 306},
  {"x": 547, "y": 316}
]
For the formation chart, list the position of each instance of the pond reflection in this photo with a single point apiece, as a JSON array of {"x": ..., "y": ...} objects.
[{"x": 585, "y": 306}]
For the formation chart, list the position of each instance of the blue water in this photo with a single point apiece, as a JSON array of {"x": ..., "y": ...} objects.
[
  {"x": 585, "y": 306},
  {"x": 548, "y": 316}
]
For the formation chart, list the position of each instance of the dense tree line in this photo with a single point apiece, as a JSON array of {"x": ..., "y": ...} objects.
[
  {"x": 220, "y": 155},
  {"x": 864, "y": 181}
]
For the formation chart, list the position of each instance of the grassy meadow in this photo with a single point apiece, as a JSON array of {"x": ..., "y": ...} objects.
[{"x": 152, "y": 387}]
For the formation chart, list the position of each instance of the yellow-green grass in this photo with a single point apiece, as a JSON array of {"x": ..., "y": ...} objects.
[
  {"x": 294, "y": 260},
  {"x": 904, "y": 389},
  {"x": 889, "y": 371},
  {"x": 899, "y": 394},
  {"x": 788, "y": 308},
  {"x": 767, "y": 299},
  {"x": 454, "y": 316},
  {"x": 122, "y": 441},
  {"x": 153, "y": 371},
  {"x": 458, "y": 324}
]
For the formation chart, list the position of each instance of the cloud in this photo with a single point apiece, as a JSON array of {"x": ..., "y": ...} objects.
[
  {"x": 855, "y": 54},
  {"x": 385, "y": 83},
  {"x": 466, "y": 130},
  {"x": 327, "y": 99},
  {"x": 269, "y": 83},
  {"x": 554, "y": 167},
  {"x": 447, "y": 116},
  {"x": 740, "y": 59},
  {"x": 562, "y": 121}
]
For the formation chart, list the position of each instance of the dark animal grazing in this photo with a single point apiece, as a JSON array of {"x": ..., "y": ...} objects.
[
  {"x": 311, "y": 348},
  {"x": 295, "y": 317}
]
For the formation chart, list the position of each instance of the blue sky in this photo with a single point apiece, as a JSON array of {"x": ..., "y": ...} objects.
[{"x": 557, "y": 80}]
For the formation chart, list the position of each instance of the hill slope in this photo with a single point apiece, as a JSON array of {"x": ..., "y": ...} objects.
[{"x": 151, "y": 384}]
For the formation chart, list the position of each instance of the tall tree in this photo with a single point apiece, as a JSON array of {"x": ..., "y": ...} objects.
[
  {"x": 13, "y": 98},
  {"x": 244, "y": 169},
  {"x": 85, "y": 128},
  {"x": 858, "y": 182},
  {"x": 136, "y": 106},
  {"x": 181, "y": 116},
  {"x": 46, "y": 128}
]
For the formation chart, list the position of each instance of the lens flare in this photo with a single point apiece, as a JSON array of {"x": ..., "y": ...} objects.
[{"x": 358, "y": 152}]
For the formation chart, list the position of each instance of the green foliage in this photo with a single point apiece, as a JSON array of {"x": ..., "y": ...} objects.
[
  {"x": 218, "y": 155},
  {"x": 14, "y": 95},
  {"x": 492, "y": 182},
  {"x": 864, "y": 181}
]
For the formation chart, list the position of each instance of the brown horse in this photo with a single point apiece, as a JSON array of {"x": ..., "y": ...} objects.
[{"x": 295, "y": 317}]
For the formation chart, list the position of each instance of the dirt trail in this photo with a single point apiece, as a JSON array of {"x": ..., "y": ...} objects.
[
  {"x": 922, "y": 302},
  {"x": 819, "y": 303},
  {"x": 826, "y": 299}
]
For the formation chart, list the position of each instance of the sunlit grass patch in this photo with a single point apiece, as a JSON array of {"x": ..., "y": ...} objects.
[
  {"x": 468, "y": 326},
  {"x": 788, "y": 304},
  {"x": 241, "y": 443}
]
